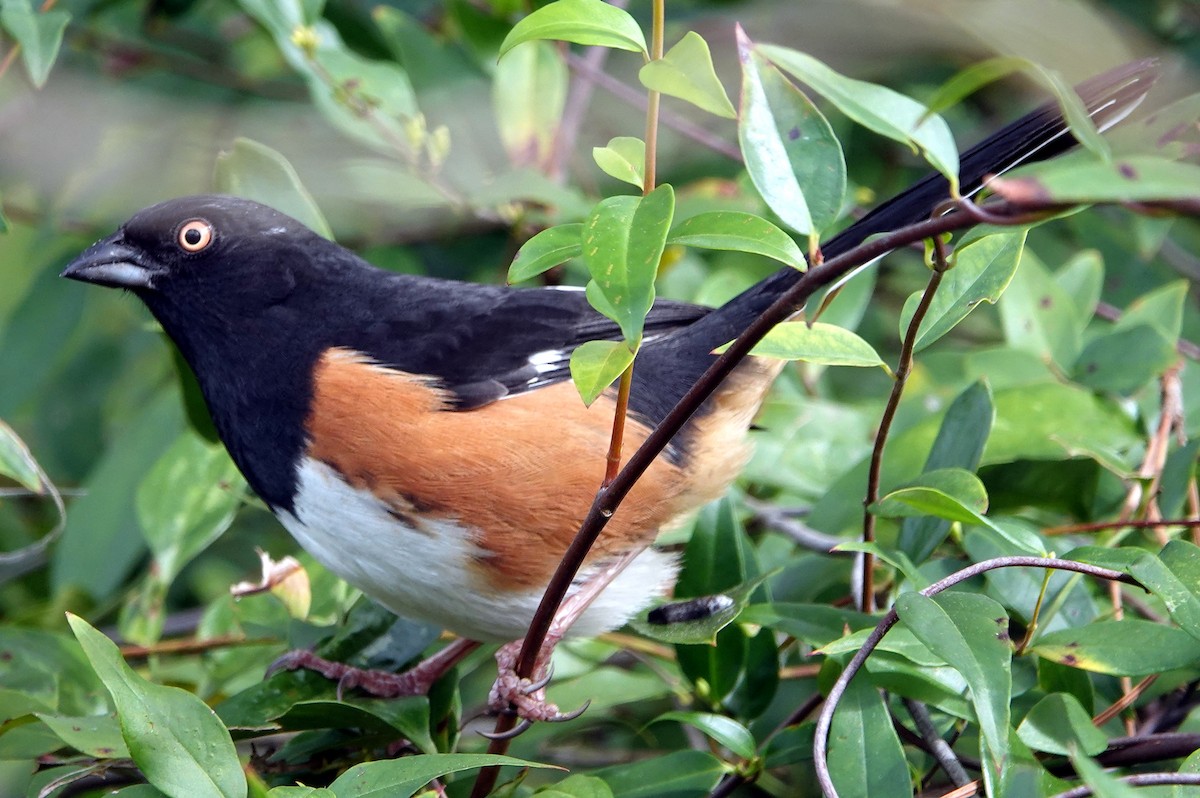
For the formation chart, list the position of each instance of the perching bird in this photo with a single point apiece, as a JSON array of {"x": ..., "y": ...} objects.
[{"x": 422, "y": 438}]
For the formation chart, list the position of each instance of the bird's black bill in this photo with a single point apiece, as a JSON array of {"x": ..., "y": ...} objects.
[{"x": 111, "y": 263}]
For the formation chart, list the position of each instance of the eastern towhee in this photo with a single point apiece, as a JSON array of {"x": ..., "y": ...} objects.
[{"x": 422, "y": 437}]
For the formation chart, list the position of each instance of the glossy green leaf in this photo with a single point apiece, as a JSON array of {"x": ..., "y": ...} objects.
[
  {"x": 1059, "y": 722},
  {"x": 1124, "y": 360},
  {"x": 679, "y": 773},
  {"x": 1161, "y": 308},
  {"x": 725, "y": 730},
  {"x": 875, "y": 107},
  {"x": 791, "y": 153},
  {"x": 982, "y": 270},
  {"x": 529, "y": 91},
  {"x": 255, "y": 171},
  {"x": 959, "y": 444},
  {"x": 740, "y": 232},
  {"x": 595, "y": 365},
  {"x": 580, "y": 21},
  {"x": 970, "y": 632},
  {"x": 1137, "y": 178},
  {"x": 94, "y": 735},
  {"x": 865, "y": 757},
  {"x": 686, "y": 71},
  {"x": 39, "y": 34},
  {"x": 1173, "y": 575},
  {"x": 187, "y": 500},
  {"x": 623, "y": 241},
  {"x": 815, "y": 343},
  {"x": 951, "y": 493},
  {"x": 547, "y": 249},
  {"x": 1120, "y": 648},
  {"x": 402, "y": 778},
  {"x": 624, "y": 158},
  {"x": 175, "y": 739},
  {"x": 16, "y": 461}
]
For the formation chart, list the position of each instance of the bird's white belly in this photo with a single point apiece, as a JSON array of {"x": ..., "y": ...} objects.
[{"x": 432, "y": 573}]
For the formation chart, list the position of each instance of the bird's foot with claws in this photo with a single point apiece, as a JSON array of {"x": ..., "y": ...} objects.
[{"x": 525, "y": 698}]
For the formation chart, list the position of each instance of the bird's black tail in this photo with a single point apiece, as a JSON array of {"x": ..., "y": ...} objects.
[{"x": 1040, "y": 135}]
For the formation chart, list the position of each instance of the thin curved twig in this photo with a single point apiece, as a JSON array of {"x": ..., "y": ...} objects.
[{"x": 825, "y": 719}]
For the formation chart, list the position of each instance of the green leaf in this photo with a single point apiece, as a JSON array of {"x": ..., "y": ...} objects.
[
  {"x": 99, "y": 523},
  {"x": 686, "y": 71},
  {"x": 970, "y": 632},
  {"x": 726, "y": 731},
  {"x": 94, "y": 735},
  {"x": 624, "y": 158},
  {"x": 1059, "y": 722},
  {"x": 1039, "y": 316},
  {"x": 815, "y": 624},
  {"x": 582, "y": 22},
  {"x": 255, "y": 171},
  {"x": 529, "y": 91},
  {"x": 897, "y": 559},
  {"x": 39, "y": 35},
  {"x": 865, "y": 757},
  {"x": 547, "y": 249},
  {"x": 720, "y": 610},
  {"x": 577, "y": 786},
  {"x": 951, "y": 493},
  {"x": 402, "y": 778},
  {"x": 739, "y": 232},
  {"x": 1074, "y": 111},
  {"x": 1174, "y": 576},
  {"x": 1137, "y": 178},
  {"x": 186, "y": 501},
  {"x": 1161, "y": 308},
  {"x": 300, "y": 792},
  {"x": 623, "y": 241},
  {"x": 959, "y": 444},
  {"x": 957, "y": 495},
  {"x": 1119, "y": 648},
  {"x": 1082, "y": 278},
  {"x": 791, "y": 153},
  {"x": 877, "y": 108},
  {"x": 1124, "y": 360},
  {"x": 1101, "y": 783},
  {"x": 966, "y": 82},
  {"x": 677, "y": 774},
  {"x": 815, "y": 343},
  {"x": 17, "y": 463},
  {"x": 595, "y": 365},
  {"x": 175, "y": 739},
  {"x": 982, "y": 270}
]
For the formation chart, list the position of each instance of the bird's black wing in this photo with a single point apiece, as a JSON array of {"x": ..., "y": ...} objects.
[{"x": 483, "y": 343}]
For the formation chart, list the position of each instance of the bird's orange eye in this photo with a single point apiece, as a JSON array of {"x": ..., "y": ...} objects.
[{"x": 194, "y": 235}]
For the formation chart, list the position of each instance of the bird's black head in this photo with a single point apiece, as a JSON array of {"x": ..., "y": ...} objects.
[
  {"x": 244, "y": 291},
  {"x": 204, "y": 244}
]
